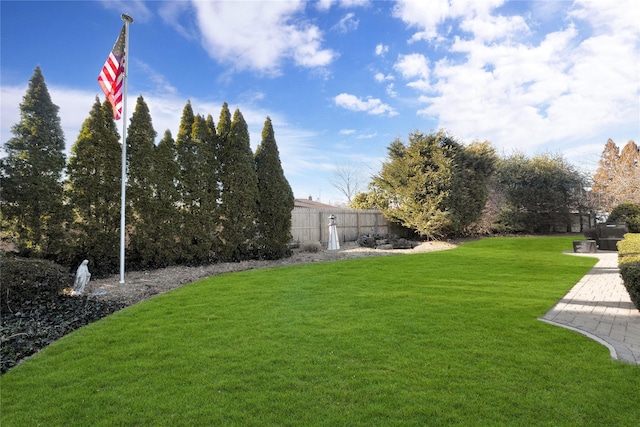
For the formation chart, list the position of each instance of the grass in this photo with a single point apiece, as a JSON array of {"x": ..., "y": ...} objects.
[{"x": 446, "y": 338}]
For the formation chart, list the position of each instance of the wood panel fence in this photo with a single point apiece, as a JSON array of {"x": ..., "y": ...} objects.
[{"x": 312, "y": 225}]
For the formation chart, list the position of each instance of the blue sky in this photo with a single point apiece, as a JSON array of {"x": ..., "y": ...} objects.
[{"x": 342, "y": 79}]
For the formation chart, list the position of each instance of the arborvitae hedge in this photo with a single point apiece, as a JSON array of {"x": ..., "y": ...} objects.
[
  {"x": 193, "y": 200},
  {"x": 94, "y": 191},
  {"x": 276, "y": 199},
  {"x": 141, "y": 188},
  {"x": 33, "y": 212},
  {"x": 239, "y": 192}
]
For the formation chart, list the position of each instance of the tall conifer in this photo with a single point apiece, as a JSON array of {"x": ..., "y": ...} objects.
[
  {"x": 239, "y": 190},
  {"x": 210, "y": 185},
  {"x": 94, "y": 189},
  {"x": 165, "y": 203},
  {"x": 188, "y": 170},
  {"x": 275, "y": 201},
  {"x": 32, "y": 195},
  {"x": 141, "y": 187}
]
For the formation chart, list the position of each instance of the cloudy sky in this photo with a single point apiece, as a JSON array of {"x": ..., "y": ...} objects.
[{"x": 342, "y": 79}]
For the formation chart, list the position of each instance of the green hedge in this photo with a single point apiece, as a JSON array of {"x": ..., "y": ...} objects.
[
  {"x": 24, "y": 279},
  {"x": 629, "y": 263},
  {"x": 629, "y": 213}
]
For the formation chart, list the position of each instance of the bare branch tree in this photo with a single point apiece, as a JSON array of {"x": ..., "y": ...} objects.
[{"x": 347, "y": 179}]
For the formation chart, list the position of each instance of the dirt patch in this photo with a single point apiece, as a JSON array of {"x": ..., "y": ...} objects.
[{"x": 140, "y": 285}]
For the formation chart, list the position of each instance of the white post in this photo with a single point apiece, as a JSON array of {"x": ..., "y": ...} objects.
[{"x": 127, "y": 20}]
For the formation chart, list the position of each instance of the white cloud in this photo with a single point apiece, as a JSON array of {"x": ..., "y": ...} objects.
[
  {"x": 427, "y": 16},
  {"x": 174, "y": 13},
  {"x": 324, "y": 5},
  {"x": 371, "y": 105},
  {"x": 620, "y": 16},
  {"x": 381, "y": 49},
  {"x": 380, "y": 77},
  {"x": 10, "y": 109},
  {"x": 490, "y": 28},
  {"x": 497, "y": 83},
  {"x": 261, "y": 37},
  {"x": 347, "y": 131},
  {"x": 157, "y": 80},
  {"x": 391, "y": 91},
  {"x": 347, "y": 23},
  {"x": 414, "y": 67}
]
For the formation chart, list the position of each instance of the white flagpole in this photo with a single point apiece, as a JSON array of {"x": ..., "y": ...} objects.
[{"x": 127, "y": 20}]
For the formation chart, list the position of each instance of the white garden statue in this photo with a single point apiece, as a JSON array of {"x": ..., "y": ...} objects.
[{"x": 82, "y": 278}]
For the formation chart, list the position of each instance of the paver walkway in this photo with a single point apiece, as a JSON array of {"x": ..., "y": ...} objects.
[{"x": 599, "y": 307}]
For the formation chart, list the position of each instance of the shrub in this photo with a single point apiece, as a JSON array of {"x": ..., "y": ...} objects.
[
  {"x": 629, "y": 213},
  {"x": 24, "y": 279},
  {"x": 629, "y": 263}
]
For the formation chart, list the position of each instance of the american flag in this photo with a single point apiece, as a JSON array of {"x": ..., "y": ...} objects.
[{"x": 111, "y": 77}]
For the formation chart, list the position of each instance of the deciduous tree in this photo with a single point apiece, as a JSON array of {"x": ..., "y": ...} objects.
[
  {"x": 618, "y": 176},
  {"x": 348, "y": 180}
]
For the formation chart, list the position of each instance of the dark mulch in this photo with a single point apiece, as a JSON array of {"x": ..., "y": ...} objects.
[{"x": 35, "y": 324}]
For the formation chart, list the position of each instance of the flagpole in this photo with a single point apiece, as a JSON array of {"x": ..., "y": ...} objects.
[{"x": 127, "y": 20}]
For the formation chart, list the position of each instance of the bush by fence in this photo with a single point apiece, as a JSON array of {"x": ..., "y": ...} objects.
[{"x": 629, "y": 263}]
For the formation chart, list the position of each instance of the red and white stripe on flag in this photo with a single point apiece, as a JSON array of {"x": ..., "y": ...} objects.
[{"x": 111, "y": 77}]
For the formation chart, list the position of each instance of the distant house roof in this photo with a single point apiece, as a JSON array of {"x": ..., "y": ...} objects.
[{"x": 310, "y": 204}]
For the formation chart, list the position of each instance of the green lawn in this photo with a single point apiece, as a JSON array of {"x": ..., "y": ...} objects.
[{"x": 445, "y": 338}]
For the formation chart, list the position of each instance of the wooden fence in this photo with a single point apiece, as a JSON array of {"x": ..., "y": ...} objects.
[{"x": 312, "y": 225}]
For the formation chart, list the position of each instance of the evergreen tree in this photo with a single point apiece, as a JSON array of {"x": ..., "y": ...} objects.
[
  {"x": 224, "y": 123},
  {"x": 94, "y": 190},
  {"x": 165, "y": 203},
  {"x": 473, "y": 167},
  {"x": 275, "y": 201},
  {"x": 239, "y": 189},
  {"x": 414, "y": 183},
  {"x": 141, "y": 187},
  {"x": 539, "y": 193},
  {"x": 187, "y": 156},
  {"x": 210, "y": 185},
  {"x": 32, "y": 193},
  {"x": 434, "y": 185}
]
